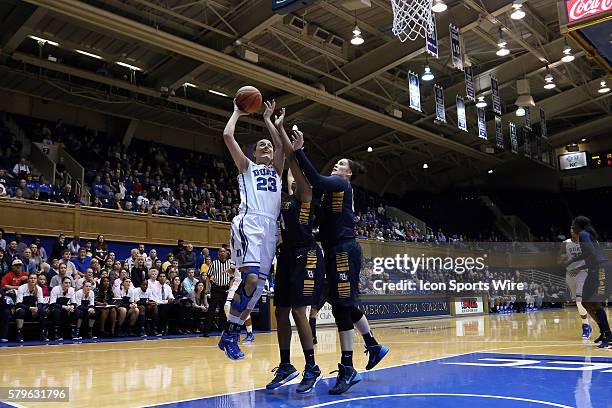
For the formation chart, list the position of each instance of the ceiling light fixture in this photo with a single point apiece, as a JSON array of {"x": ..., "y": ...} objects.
[
  {"x": 481, "y": 102},
  {"x": 603, "y": 88},
  {"x": 439, "y": 6},
  {"x": 357, "y": 38},
  {"x": 44, "y": 41},
  {"x": 520, "y": 112},
  {"x": 212, "y": 91},
  {"x": 89, "y": 54},
  {"x": 425, "y": 165},
  {"x": 549, "y": 80},
  {"x": 567, "y": 54},
  {"x": 190, "y": 85},
  {"x": 370, "y": 149},
  {"x": 427, "y": 74},
  {"x": 132, "y": 67},
  {"x": 518, "y": 12},
  {"x": 502, "y": 51}
]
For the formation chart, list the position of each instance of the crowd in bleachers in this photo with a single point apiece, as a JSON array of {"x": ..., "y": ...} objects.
[{"x": 78, "y": 288}]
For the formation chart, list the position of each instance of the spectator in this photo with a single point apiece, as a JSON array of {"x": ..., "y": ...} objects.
[
  {"x": 6, "y": 304},
  {"x": 21, "y": 246},
  {"x": 58, "y": 246},
  {"x": 169, "y": 260},
  {"x": 29, "y": 264},
  {"x": 62, "y": 305},
  {"x": 100, "y": 249},
  {"x": 105, "y": 307},
  {"x": 179, "y": 306},
  {"x": 71, "y": 269},
  {"x": 205, "y": 266},
  {"x": 42, "y": 252},
  {"x": 53, "y": 269},
  {"x": 139, "y": 271},
  {"x": 187, "y": 259},
  {"x": 42, "y": 282},
  {"x": 67, "y": 196},
  {"x": 59, "y": 278},
  {"x": 26, "y": 192},
  {"x": 146, "y": 306},
  {"x": 21, "y": 169},
  {"x": 127, "y": 307},
  {"x": 150, "y": 261},
  {"x": 16, "y": 277},
  {"x": 12, "y": 250},
  {"x": 131, "y": 261},
  {"x": 87, "y": 278},
  {"x": 29, "y": 305},
  {"x": 95, "y": 267},
  {"x": 74, "y": 246},
  {"x": 199, "y": 307},
  {"x": 189, "y": 282},
  {"x": 2, "y": 240},
  {"x": 162, "y": 295},
  {"x": 85, "y": 309},
  {"x": 82, "y": 261},
  {"x": 4, "y": 264}
]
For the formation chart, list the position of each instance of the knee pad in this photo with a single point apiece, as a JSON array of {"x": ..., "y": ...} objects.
[
  {"x": 243, "y": 299},
  {"x": 261, "y": 282},
  {"x": 20, "y": 313},
  {"x": 356, "y": 314},
  {"x": 342, "y": 316}
]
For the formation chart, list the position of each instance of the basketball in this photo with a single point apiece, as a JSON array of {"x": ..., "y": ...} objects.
[{"x": 248, "y": 99}]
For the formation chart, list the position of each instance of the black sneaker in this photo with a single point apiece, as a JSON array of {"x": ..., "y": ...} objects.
[
  {"x": 599, "y": 339},
  {"x": 314, "y": 340},
  {"x": 75, "y": 334},
  {"x": 606, "y": 341},
  {"x": 19, "y": 337},
  {"x": 284, "y": 373},
  {"x": 375, "y": 355},
  {"x": 43, "y": 335},
  {"x": 90, "y": 334},
  {"x": 312, "y": 375},
  {"x": 347, "y": 377}
]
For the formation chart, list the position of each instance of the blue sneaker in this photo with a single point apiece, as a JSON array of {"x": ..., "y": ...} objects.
[
  {"x": 250, "y": 337},
  {"x": 347, "y": 377},
  {"x": 284, "y": 373},
  {"x": 229, "y": 344},
  {"x": 3, "y": 340},
  {"x": 312, "y": 375},
  {"x": 586, "y": 331},
  {"x": 375, "y": 355}
]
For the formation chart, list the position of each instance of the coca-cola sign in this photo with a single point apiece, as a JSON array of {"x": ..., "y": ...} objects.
[{"x": 581, "y": 9}]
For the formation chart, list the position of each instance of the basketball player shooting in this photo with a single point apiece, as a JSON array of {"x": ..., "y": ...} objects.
[{"x": 254, "y": 230}]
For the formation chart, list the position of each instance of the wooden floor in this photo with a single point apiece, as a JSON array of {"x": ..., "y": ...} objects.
[{"x": 149, "y": 372}]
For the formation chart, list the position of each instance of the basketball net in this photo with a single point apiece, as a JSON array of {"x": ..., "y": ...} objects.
[{"x": 412, "y": 18}]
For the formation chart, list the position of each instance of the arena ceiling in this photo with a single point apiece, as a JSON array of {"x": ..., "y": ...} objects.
[{"x": 341, "y": 96}]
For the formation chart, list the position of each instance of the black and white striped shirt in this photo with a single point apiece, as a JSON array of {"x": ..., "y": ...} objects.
[{"x": 216, "y": 272}]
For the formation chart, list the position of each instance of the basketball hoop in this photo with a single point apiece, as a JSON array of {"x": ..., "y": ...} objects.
[{"x": 412, "y": 18}]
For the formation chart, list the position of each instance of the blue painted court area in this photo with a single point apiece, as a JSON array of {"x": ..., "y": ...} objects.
[{"x": 472, "y": 380}]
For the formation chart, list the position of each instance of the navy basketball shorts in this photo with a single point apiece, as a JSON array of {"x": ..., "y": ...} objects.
[
  {"x": 342, "y": 267},
  {"x": 299, "y": 276}
]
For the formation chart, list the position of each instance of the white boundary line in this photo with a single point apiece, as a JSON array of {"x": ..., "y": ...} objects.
[{"x": 552, "y": 404}]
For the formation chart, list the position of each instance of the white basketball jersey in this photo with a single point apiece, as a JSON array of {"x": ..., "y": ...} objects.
[
  {"x": 572, "y": 250},
  {"x": 260, "y": 191}
]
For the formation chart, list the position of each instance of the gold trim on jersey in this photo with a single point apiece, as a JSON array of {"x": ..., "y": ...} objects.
[
  {"x": 337, "y": 201},
  {"x": 342, "y": 263},
  {"x": 304, "y": 215},
  {"x": 311, "y": 259},
  {"x": 344, "y": 289},
  {"x": 309, "y": 285}
]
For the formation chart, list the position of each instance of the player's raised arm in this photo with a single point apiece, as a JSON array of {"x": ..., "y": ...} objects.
[
  {"x": 304, "y": 188},
  {"x": 324, "y": 183},
  {"x": 279, "y": 156},
  {"x": 241, "y": 161}
]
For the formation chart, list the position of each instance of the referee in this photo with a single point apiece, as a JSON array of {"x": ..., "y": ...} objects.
[{"x": 218, "y": 279}]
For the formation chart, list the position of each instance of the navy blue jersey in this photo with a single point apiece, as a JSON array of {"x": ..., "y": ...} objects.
[
  {"x": 336, "y": 216},
  {"x": 592, "y": 253},
  {"x": 297, "y": 219}
]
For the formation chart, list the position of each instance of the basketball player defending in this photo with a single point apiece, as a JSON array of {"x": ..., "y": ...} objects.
[
  {"x": 342, "y": 256},
  {"x": 253, "y": 231},
  {"x": 575, "y": 276},
  {"x": 299, "y": 274}
]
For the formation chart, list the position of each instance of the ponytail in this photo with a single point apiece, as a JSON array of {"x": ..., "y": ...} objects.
[{"x": 582, "y": 223}]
